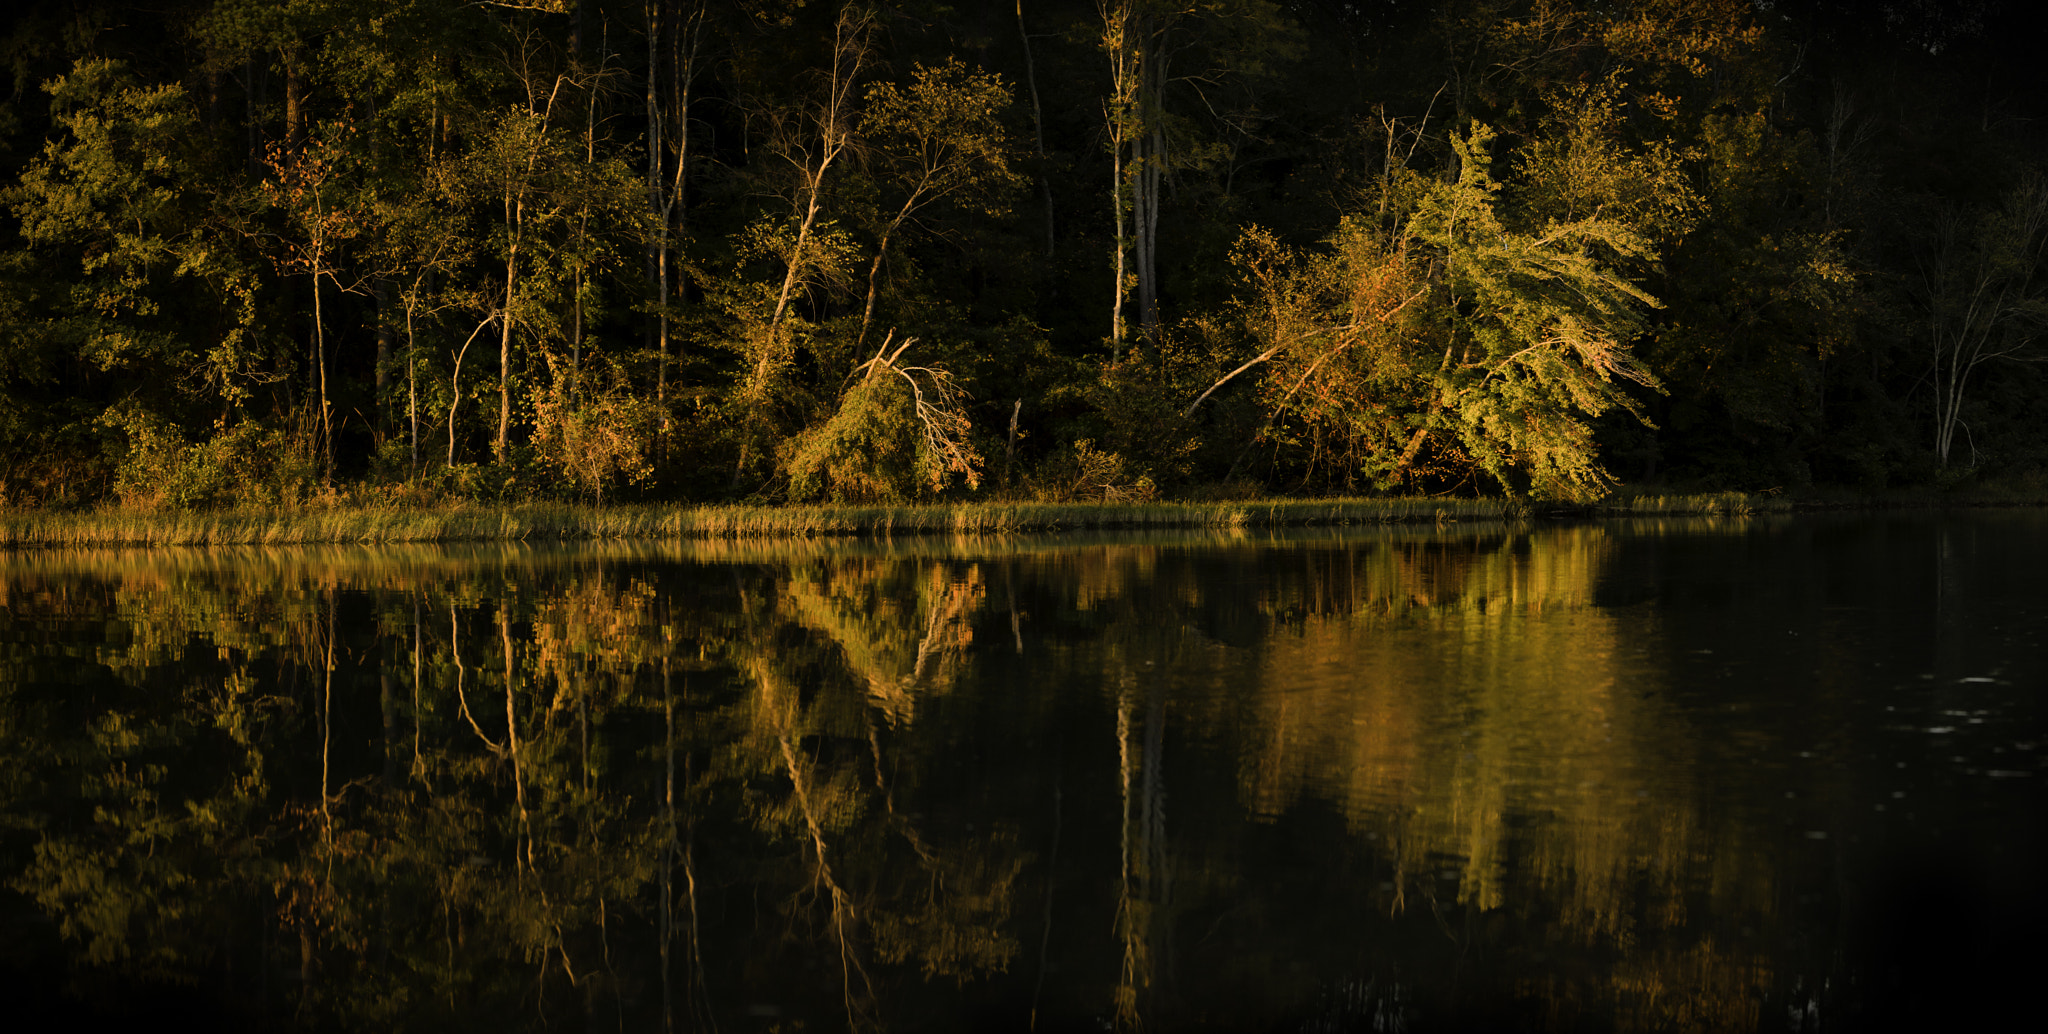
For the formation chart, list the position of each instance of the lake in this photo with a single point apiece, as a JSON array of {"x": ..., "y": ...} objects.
[{"x": 1685, "y": 774}]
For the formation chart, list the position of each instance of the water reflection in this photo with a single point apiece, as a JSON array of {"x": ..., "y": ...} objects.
[{"x": 1677, "y": 775}]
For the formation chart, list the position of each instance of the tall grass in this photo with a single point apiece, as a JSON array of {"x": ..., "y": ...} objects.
[
  {"x": 548, "y": 522},
  {"x": 1729, "y": 503},
  {"x": 400, "y": 564}
]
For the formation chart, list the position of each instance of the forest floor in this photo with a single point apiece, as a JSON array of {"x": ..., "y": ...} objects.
[{"x": 345, "y": 522}]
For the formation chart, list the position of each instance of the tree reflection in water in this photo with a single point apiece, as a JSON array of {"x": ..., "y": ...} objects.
[{"x": 1420, "y": 779}]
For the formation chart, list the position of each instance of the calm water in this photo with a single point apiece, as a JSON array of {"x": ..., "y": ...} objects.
[{"x": 1778, "y": 774}]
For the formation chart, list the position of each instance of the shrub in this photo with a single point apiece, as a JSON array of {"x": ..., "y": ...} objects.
[
  {"x": 900, "y": 431},
  {"x": 595, "y": 438},
  {"x": 1089, "y": 474},
  {"x": 248, "y": 464}
]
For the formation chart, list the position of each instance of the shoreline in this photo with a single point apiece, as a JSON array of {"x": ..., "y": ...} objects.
[
  {"x": 373, "y": 524},
  {"x": 571, "y": 522}
]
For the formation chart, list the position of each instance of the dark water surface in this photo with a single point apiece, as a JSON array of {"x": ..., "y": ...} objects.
[{"x": 1770, "y": 774}]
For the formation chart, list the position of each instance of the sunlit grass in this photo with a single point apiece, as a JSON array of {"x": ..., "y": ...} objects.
[
  {"x": 557, "y": 522},
  {"x": 1730, "y": 503}
]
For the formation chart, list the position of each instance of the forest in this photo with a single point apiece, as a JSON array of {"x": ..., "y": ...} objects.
[{"x": 255, "y": 253}]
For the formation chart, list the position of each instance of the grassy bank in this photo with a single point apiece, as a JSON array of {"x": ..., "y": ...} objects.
[
  {"x": 1706, "y": 503},
  {"x": 555, "y": 522},
  {"x": 1650, "y": 501}
]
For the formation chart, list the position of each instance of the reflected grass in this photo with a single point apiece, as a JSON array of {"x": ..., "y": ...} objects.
[{"x": 557, "y": 522}]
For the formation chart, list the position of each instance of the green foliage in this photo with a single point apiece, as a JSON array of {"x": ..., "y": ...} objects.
[
  {"x": 112, "y": 207},
  {"x": 900, "y": 432},
  {"x": 593, "y": 428},
  {"x": 1492, "y": 343},
  {"x": 1543, "y": 324},
  {"x": 1088, "y": 474},
  {"x": 942, "y": 136},
  {"x": 1761, "y": 297},
  {"x": 244, "y": 465},
  {"x": 1136, "y": 423},
  {"x": 1349, "y": 353}
]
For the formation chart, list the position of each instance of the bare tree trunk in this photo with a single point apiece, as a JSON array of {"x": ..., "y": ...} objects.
[
  {"x": 326, "y": 426},
  {"x": 1121, "y": 114},
  {"x": 668, "y": 143},
  {"x": 813, "y": 188},
  {"x": 454, "y": 403},
  {"x": 1149, "y": 183},
  {"x": 657, "y": 202},
  {"x": 505, "y": 344},
  {"x": 1149, "y": 152},
  {"x": 683, "y": 47},
  {"x": 849, "y": 53},
  {"x": 540, "y": 101},
  {"x": 867, "y": 312},
  {"x": 455, "y": 387},
  {"x": 1981, "y": 298},
  {"x": 412, "y": 404},
  {"x": 1116, "y": 311}
]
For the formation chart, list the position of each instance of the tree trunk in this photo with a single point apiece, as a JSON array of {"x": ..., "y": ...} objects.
[
  {"x": 1116, "y": 196},
  {"x": 380, "y": 293},
  {"x": 412, "y": 407},
  {"x": 666, "y": 186},
  {"x": 1149, "y": 153},
  {"x": 1124, "y": 117},
  {"x": 505, "y": 349},
  {"x": 657, "y": 201},
  {"x": 867, "y": 312},
  {"x": 294, "y": 103},
  {"x": 455, "y": 387},
  {"x": 1037, "y": 128},
  {"x": 454, "y": 404},
  {"x": 848, "y": 54},
  {"x": 325, "y": 424}
]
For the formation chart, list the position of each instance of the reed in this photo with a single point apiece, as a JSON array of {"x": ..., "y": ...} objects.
[{"x": 557, "y": 522}]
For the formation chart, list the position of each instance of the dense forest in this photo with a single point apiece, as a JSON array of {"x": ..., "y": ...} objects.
[{"x": 262, "y": 251}]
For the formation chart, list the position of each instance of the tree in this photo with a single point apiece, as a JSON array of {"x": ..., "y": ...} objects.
[
  {"x": 1540, "y": 327},
  {"x": 126, "y": 268},
  {"x": 1981, "y": 285},
  {"x": 940, "y": 138},
  {"x": 597, "y": 434},
  {"x": 522, "y": 162},
  {"x": 668, "y": 152},
  {"x": 1493, "y": 342},
  {"x": 305, "y": 182},
  {"x": 810, "y": 139},
  {"x": 1143, "y": 40},
  {"x": 860, "y": 454}
]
